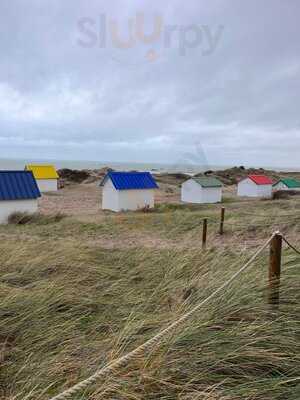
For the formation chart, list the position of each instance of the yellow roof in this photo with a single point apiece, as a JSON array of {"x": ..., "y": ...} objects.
[{"x": 42, "y": 171}]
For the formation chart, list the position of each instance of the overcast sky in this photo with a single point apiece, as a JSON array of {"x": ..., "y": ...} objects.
[{"x": 212, "y": 82}]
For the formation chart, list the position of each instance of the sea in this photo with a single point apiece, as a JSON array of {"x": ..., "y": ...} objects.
[
  {"x": 16, "y": 164},
  {"x": 191, "y": 169}
]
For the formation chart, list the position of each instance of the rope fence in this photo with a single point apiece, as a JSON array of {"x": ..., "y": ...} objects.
[
  {"x": 273, "y": 221},
  {"x": 274, "y": 241},
  {"x": 290, "y": 245},
  {"x": 276, "y": 222}
]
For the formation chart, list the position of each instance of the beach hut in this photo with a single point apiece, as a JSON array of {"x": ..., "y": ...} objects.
[
  {"x": 46, "y": 177},
  {"x": 19, "y": 192},
  {"x": 287, "y": 184},
  {"x": 255, "y": 186},
  {"x": 128, "y": 191},
  {"x": 201, "y": 190}
]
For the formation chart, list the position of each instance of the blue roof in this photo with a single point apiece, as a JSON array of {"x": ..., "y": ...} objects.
[
  {"x": 131, "y": 180},
  {"x": 18, "y": 185}
]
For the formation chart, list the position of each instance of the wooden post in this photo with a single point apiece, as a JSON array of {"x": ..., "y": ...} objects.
[
  {"x": 222, "y": 221},
  {"x": 204, "y": 233},
  {"x": 275, "y": 268}
]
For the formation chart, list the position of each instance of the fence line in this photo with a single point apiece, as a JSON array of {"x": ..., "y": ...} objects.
[
  {"x": 290, "y": 245},
  {"x": 159, "y": 337},
  {"x": 263, "y": 222}
]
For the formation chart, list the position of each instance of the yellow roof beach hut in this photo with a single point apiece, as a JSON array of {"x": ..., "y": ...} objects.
[{"x": 46, "y": 176}]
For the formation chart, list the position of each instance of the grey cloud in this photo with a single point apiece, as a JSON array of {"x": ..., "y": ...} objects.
[{"x": 239, "y": 103}]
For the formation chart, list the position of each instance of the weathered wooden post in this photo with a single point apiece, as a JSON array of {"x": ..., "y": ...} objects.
[
  {"x": 222, "y": 221},
  {"x": 204, "y": 233},
  {"x": 275, "y": 268}
]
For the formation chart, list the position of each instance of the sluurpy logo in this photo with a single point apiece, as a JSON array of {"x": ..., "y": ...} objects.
[
  {"x": 194, "y": 160},
  {"x": 107, "y": 33}
]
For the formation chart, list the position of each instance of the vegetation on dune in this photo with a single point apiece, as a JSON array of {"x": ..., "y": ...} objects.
[
  {"x": 69, "y": 305},
  {"x": 229, "y": 176},
  {"x": 285, "y": 194},
  {"x": 23, "y": 218}
]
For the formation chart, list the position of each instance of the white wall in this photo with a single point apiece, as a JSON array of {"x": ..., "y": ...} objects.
[
  {"x": 264, "y": 191},
  {"x": 8, "y": 207},
  {"x": 192, "y": 192},
  {"x": 212, "y": 195},
  {"x": 123, "y": 200},
  {"x": 47, "y": 185},
  {"x": 136, "y": 199},
  {"x": 250, "y": 189},
  {"x": 247, "y": 187},
  {"x": 280, "y": 186},
  {"x": 110, "y": 197}
]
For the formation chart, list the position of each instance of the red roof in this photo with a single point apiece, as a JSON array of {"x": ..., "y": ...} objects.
[{"x": 261, "y": 179}]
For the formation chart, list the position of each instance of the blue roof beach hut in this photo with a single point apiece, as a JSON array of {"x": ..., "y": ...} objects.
[
  {"x": 19, "y": 192},
  {"x": 123, "y": 191}
]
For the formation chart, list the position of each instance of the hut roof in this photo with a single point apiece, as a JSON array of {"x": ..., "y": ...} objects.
[
  {"x": 208, "y": 182},
  {"x": 261, "y": 179},
  {"x": 18, "y": 185},
  {"x": 42, "y": 171},
  {"x": 131, "y": 180},
  {"x": 289, "y": 182}
]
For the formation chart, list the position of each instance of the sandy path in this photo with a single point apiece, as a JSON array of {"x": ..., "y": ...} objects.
[
  {"x": 85, "y": 200},
  {"x": 72, "y": 200}
]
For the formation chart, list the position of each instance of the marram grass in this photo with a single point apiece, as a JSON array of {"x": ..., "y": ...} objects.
[{"x": 69, "y": 306}]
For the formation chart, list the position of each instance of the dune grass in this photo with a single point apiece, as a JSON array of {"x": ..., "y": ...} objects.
[
  {"x": 23, "y": 218},
  {"x": 68, "y": 307}
]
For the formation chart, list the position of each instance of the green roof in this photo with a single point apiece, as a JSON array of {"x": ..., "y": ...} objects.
[
  {"x": 290, "y": 183},
  {"x": 207, "y": 182}
]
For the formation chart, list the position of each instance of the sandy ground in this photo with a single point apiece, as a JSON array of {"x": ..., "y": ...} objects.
[
  {"x": 72, "y": 200},
  {"x": 85, "y": 200}
]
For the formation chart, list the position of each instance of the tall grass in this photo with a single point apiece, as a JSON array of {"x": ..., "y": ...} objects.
[
  {"x": 67, "y": 308},
  {"x": 23, "y": 218}
]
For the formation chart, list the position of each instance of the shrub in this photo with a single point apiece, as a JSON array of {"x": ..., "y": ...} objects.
[
  {"x": 23, "y": 218},
  {"x": 284, "y": 194}
]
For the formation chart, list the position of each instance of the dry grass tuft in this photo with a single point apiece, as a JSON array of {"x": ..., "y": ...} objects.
[
  {"x": 22, "y": 218},
  {"x": 68, "y": 305}
]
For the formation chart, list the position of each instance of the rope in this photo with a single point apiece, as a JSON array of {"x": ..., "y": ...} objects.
[
  {"x": 290, "y": 245},
  {"x": 122, "y": 361}
]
